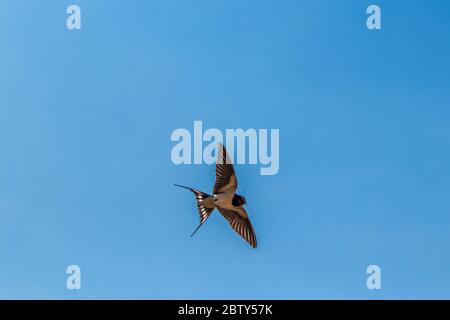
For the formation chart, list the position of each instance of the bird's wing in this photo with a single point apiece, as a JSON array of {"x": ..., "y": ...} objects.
[
  {"x": 225, "y": 177},
  {"x": 239, "y": 221}
]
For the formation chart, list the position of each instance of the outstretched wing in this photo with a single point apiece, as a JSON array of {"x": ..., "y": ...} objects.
[
  {"x": 239, "y": 221},
  {"x": 225, "y": 177}
]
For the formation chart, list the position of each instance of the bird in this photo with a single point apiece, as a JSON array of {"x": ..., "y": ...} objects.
[{"x": 225, "y": 199}]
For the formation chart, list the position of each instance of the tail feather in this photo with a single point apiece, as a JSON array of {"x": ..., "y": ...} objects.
[
  {"x": 181, "y": 186},
  {"x": 203, "y": 211},
  {"x": 196, "y": 229}
]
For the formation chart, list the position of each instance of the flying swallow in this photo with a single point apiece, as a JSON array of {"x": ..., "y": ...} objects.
[{"x": 225, "y": 199}]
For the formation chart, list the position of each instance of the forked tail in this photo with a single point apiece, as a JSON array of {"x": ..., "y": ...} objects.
[{"x": 203, "y": 211}]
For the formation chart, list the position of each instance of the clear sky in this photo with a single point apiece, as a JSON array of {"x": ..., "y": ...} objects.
[{"x": 86, "y": 176}]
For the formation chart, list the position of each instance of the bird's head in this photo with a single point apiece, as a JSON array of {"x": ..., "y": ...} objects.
[{"x": 238, "y": 200}]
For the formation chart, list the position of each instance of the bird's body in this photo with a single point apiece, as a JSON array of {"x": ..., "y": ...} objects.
[{"x": 225, "y": 200}]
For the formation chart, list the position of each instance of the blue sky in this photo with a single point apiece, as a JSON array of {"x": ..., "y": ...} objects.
[{"x": 85, "y": 170}]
